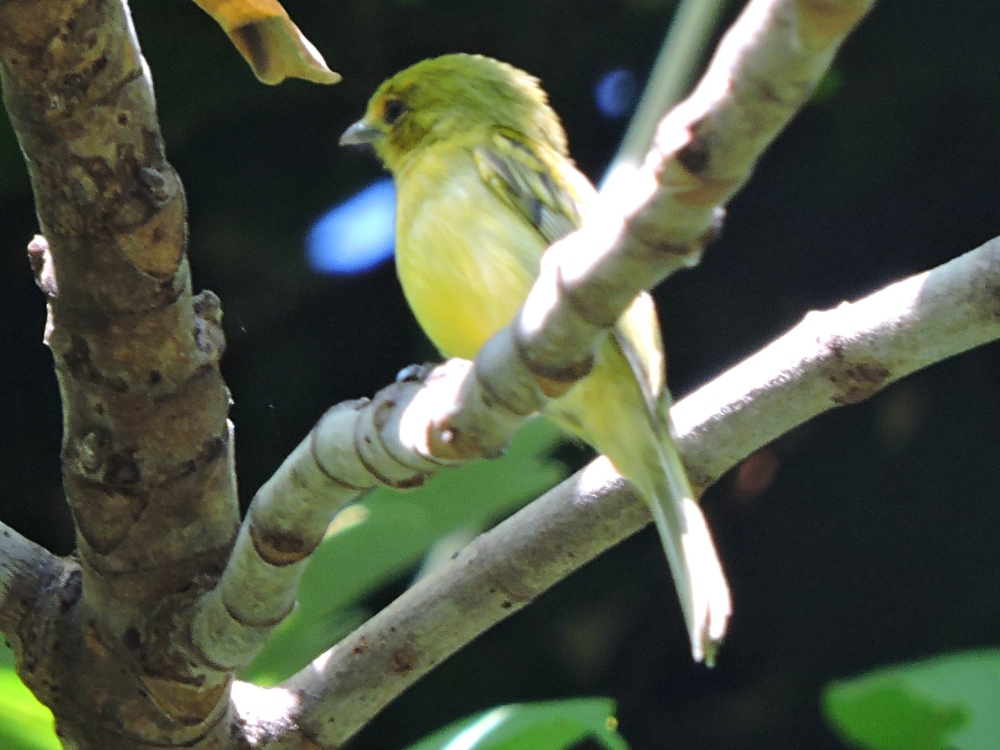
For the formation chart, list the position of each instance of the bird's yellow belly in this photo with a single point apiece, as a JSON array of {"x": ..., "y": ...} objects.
[{"x": 465, "y": 269}]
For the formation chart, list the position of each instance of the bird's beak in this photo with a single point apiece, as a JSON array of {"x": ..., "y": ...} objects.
[{"x": 360, "y": 134}]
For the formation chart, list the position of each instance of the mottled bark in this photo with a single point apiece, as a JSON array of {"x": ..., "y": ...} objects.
[{"x": 147, "y": 450}]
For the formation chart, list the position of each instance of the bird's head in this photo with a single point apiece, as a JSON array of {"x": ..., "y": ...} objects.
[{"x": 447, "y": 96}]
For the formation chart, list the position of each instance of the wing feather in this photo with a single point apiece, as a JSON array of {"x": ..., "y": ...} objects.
[
  {"x": 529, "y": 179},
  {"x": 552, "y": 197}
]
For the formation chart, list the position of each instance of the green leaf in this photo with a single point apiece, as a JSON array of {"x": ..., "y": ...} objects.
[
  {"x": 553, "y": 725},
  {"x": 388, "y": 533},
  {"x": 828, "y": 86},
  {"x": 25, "y": 724},
  {"x": 946, "y": 703}
]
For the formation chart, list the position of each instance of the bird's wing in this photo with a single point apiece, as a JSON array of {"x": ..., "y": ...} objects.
[
  {"x": 533, "y": 185},
  {"x": 549, "y": 193}
]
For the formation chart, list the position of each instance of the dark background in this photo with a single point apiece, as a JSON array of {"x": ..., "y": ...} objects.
[{"x": 875, "y": 540}]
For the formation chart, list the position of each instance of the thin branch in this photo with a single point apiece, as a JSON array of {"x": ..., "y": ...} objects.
[
  {"x": 494, "y": 576},
  {"x": 285, "y": 522},
  {"x": 679, "y": 59},
  {"x": 26, "y": 569},
  {"x": 836, "y": 357},
  {"x": 840, "y": 356}
]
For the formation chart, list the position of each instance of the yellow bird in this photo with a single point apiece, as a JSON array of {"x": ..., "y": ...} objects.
[{"x": 484, "y": 185}]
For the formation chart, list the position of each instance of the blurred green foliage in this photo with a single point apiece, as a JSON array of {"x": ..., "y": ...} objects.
[
  {"x": 553, "y": 725},
  {"x": 25, "y": 724},
  {"x": 950, "y": 702}
]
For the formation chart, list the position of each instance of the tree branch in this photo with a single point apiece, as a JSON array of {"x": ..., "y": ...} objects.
[
  {"x": 25, "y": 571},
  {"x": 147, "y": 451},
  {"x": 836, "y": 357},
  {"x": 678, "y": 61},
  {"x": 840, "y": 356},
  {"x": 286, "y": 521}
]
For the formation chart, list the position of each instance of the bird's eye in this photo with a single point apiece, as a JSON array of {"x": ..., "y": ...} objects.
[{"x": 392, "y": 111}]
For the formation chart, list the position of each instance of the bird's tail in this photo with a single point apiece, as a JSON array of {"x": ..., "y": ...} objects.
[
  {"x": 612, "y": 411},
  {"x": 694, "y": 563}
]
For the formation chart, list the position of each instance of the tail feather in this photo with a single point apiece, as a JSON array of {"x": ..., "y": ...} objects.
[
  {"x": 629, "y": 423},
  {"x": 694, "y": 563}
]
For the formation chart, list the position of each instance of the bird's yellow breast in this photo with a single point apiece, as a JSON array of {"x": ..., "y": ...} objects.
[{"x": 466, "y": 261}]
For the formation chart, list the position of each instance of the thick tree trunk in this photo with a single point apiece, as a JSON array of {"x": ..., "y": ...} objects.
[{"x": 147, "y": 450}]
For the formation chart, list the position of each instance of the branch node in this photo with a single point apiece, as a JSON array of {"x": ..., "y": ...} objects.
[{"x": 40, "y": 259}]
